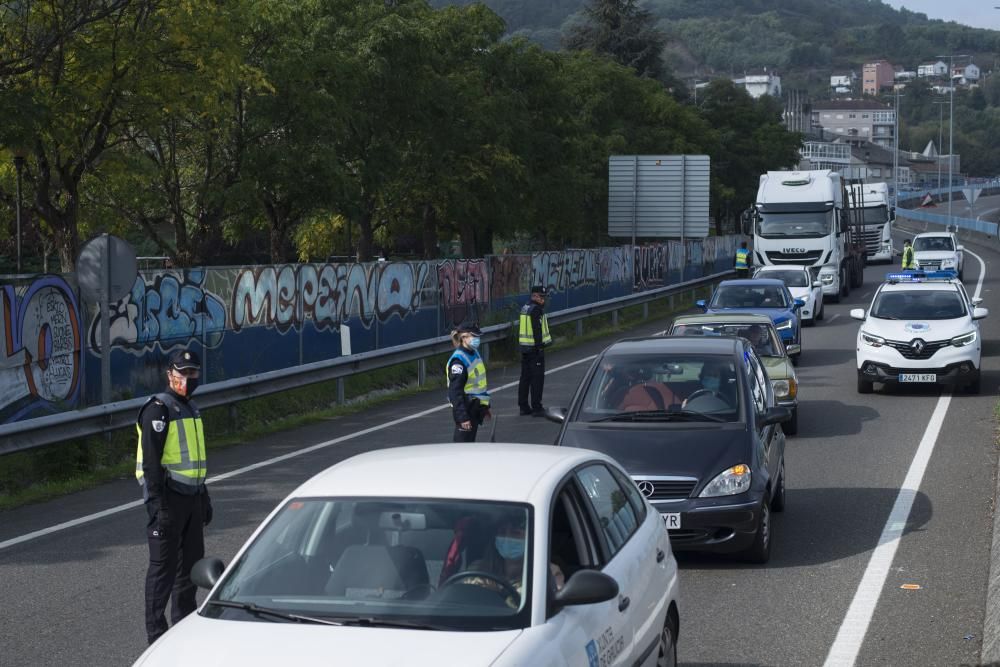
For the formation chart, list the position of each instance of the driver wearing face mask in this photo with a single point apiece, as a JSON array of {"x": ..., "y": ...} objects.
[
  {"x": 717, "y": 378},
  {"x": 505, "y": 561},
  {"x": 468, "y": 391}
]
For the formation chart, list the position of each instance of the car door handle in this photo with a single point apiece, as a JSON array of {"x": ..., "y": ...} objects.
[
  {"x": 623, "y": 603},
  {"x": 660, "y": 555}
]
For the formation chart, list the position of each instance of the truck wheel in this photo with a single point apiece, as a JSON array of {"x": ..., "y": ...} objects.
[
  {"x": 845, "y": 288},
  {"x": 858, "y": 275}
]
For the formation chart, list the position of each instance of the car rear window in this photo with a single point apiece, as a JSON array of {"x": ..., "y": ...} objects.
[{"x": 749, "y": 296}]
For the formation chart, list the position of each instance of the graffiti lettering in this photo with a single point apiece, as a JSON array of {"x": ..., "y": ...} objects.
[
  {"x": 463, "y": 281},
  {"x": 511, "y": 276},
  {"x": 651, "y": 266},
  {"x": 40, "y": 348}
]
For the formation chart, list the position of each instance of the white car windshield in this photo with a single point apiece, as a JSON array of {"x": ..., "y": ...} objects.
[
  {"x": 440, "y": 564},
  {"x": 933, "y": 243},
  {"x": 790, "y": 278},
  {"x": 918, "y": 305}
]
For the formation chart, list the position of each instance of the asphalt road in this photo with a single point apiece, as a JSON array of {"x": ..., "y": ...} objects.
[{"x": 74, "y": 596}]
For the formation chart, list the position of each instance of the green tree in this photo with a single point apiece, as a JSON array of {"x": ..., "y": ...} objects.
[{"x": 622, "y": 30}]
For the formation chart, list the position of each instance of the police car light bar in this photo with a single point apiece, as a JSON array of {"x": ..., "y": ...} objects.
[{"x": 920, "y": 276}]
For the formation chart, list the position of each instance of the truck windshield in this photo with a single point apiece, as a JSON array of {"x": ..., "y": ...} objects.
[
  {"x": 812, "y": 224},
  {"x": 875, "y": 214}
]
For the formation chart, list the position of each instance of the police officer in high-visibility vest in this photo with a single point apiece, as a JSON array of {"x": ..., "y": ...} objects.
[
  {"x": 742, "y": 261},
  {"x": 170, "y": 466},
  {"x": 908, "y": 262},
  {"x": 533, "y": 337},
  {"x": 468, "y": 391}
]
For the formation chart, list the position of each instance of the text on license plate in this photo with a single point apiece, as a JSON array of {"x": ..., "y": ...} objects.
[
  {"x": 917, "y": 377},
  {"x": 672, "y": 520}
]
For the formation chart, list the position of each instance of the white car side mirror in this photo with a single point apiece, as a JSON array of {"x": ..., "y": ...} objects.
[
  {"x": 976, "y": 300},
  {"x": 961, "y": 248},
  {"x": 858, "y": 313},
  {"x": 980, "y": 313},
  {"x": 817, "y": 283}
]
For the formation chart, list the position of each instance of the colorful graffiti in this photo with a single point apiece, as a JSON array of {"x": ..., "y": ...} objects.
[
  {"x": 328, "y": 294},
  {"x": 511, "y": 276},
  {"x": 463, "y": 282},
  {"x": 163, "y": 314},
  {"x": 651, "y": 267},
  {"x": 40, "y": 347}
]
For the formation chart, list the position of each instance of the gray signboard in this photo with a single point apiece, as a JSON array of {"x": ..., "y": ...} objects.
[{"x": 658, "y": 196}]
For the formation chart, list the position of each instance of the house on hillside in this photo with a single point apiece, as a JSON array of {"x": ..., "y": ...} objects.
[
  {"x": 876, "y": 76},
  {"x": 905, "y": 75},
  {"x": 855, "y": 121},
  {"x": 933, "y": 70},
  {"x": 965, "y": 75},
  {"x": 842, "y": 84},
  {"x": 760, "y": 83}
]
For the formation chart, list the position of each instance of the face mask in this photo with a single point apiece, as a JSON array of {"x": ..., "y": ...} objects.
[
  {"x": 474, "y": 342},
  {"x": 182, "y": 385},
  {"x": 509, "y": 548},
  {"x": 192, "y": 384},
  {"x": 710, "y": 383}
]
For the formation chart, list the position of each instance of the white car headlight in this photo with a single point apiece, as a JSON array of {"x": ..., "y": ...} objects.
[
  {"x": 728, "y": 482},
  {"x": 827, "y": 278},
  {"x": 948, "y": 263},
  {"x": 784, "y": 388},
  {"x": 964, "y": 339},
  {"x": 872, "y": 339}
]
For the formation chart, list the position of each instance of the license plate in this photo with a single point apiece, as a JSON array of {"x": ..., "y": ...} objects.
[
  {"x": 672, "y": 520},
  {"x": 917, "y": 377}
]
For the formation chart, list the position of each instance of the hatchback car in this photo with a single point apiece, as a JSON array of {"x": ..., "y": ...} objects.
[
  {"x": 694, "y": 422},
  {"x": 444, "y": 555},
  {"x": 802, "y": 285},
  {"x": 759, "y": 330},
  {"x": 763, "y": 296}
]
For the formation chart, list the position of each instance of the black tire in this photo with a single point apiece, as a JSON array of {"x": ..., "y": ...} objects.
[
  {"x": 975, "y": 386},
  {"x": 845, "y": 286},
  {"x": 778, "y": 501},
  {"x": 864, "y": 386},
  {"x": 857, "y": 275},
  {"x": 760, "y": 550},
  {"x": 821, "y": 314},
  {"x": 794, "y": 359},
  {"x": 961, "y": 274},
  {"x": 667, "y": 650},
  {"x": 791, "y": 427},
  {"x": 835, "y": 298}
]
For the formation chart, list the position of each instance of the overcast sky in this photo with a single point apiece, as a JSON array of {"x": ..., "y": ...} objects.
[{"x": 977, "y": 13}]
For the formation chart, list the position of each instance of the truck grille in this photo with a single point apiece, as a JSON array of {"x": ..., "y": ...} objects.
[
  {"x": 926, "y": 350},
  {"x": 666, "y": 489},
  {"x": 873, "y": 240},
  {"x": 810, "y": 257}
]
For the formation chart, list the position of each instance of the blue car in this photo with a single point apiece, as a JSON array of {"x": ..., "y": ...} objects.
[{"x": 763, "y": 296}]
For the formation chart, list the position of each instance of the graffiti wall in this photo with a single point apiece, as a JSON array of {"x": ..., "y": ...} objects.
[{"x": 247, "y": 320}]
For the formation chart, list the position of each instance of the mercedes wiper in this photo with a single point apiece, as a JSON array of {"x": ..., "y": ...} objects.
[
  {"x": 371, "y": 622},
  {"x": 659, "y": 415},
  {"x": 257, "y": 610}
]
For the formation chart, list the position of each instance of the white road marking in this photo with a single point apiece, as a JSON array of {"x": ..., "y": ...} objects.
[
  {"x": 835, "y": 316},
  {"x": 854, "y": 627},
  {"x": 261, "y": 464}
]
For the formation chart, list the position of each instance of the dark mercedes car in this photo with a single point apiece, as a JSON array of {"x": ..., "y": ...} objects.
[{"x": 694, "y": 422}]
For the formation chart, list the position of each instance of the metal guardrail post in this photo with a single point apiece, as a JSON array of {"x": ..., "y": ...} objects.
[
  {"x": 579, "y": 328},
  {"x": 645, "y": 311},
  {"x": 484, "y": 352},
  {"x": 614, "y": 318},
  {"x": 421, "y": 372},
  {"x": 340, "y": 391},
  {"x": 671, "y": 302}
]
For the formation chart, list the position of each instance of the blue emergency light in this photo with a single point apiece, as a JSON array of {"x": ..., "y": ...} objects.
[{"x": 920, "y": 276}]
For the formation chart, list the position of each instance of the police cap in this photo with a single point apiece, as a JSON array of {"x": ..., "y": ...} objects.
[
  {"x": 185, "y": 360},
  {"x": 469, "y": 326},
  {"x": 539, "y": 289}
]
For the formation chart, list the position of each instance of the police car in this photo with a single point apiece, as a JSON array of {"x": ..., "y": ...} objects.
[
  {"x": 463, "y": 555},
  {"x": 922, "y": 327}
]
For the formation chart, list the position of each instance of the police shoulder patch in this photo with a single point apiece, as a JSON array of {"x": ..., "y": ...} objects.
[
  {"x": 159, "y": 425},
  {"x": 457, "y": 369}
]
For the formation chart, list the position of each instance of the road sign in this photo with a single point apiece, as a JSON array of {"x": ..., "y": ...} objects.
[{"x": 971, "y": 194}]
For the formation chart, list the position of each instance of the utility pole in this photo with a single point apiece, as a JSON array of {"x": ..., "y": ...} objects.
[
  {"x": 895, "y": 154},
  {"x": 951, "y": 128},
  {"x": 940, "y": 141}
]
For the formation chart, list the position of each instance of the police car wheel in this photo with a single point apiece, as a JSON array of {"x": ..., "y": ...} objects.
[
  {"x": 974, "y": 387},
  {"x": 864, "y": 386}
]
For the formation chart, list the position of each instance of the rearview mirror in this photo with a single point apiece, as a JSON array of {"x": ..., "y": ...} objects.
[
  {"x": 793, "y": 349},
  {"x": 557, "y": 415},
  {"x": 776, "y": 415},
  {"x": 817, "y": 283},
  {"x": 205, "y": 573},
  {"x": 980, "y": 313},
  {"x": 858, "y": 313},
  {"x": 587, "y": 587},
  {"x": 701, "y": 304}
]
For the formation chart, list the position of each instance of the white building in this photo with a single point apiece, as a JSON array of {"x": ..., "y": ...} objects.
[
  {"x": 940, "y": 68},
  {"x": 965, "y": 75},
  {"x": 841, "y": 81},
  {"x": 905, "y": 75},
  {"x": 758, "y": 85}
]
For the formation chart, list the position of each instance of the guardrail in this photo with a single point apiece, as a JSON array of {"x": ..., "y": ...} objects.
[
  {"x": 108, "y": 417},
  {"x": 981, "y": 226}
]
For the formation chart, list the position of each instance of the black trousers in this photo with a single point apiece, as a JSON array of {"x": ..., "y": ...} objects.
[
  {"x": 174, "y": 546},
  {"x": 529, "y": 389},
  {"x": 466, "y": 436},
  {"x": 742, "y": 273},
  {"x": 475, "y": 412}
]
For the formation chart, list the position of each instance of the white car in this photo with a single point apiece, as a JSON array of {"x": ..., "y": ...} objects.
[
  {"x": 802, "y": 285},
  {"x": 463, "y": 555},
  {"x": 939, "y": 251},
  {"x": 921, "y": 328}
]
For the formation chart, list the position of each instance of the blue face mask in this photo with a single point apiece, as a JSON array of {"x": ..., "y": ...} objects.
[
  {"x": 474, "y": 342},
  {"x": 509, "y": 548},
  {"x": 710, "y": 383}
]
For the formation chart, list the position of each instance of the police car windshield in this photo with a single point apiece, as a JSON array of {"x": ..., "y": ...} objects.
[
  {"x": 933, "y": 243},
  {"x": 749, "y": 296},
  {"x": 457, "y": 565},
  {"x": 918, "y": 305},
  {"x": 790, "y": 278}
]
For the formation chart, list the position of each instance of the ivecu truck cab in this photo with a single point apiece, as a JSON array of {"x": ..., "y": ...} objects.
[{"x": 807, "y": 218}]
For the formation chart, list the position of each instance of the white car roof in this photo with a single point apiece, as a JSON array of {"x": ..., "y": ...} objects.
[
  {"x": 475, "y": 471},
  {"x": 929, "y": 234}
]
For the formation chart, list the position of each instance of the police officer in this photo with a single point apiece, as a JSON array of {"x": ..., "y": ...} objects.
[
  {"x": 170, "y": 466},
  {"x": 908, "y": 262},
  {"x": 533, "y": 337},
  {"x": 467, "y": 388},
  {"x": 742, "y": 261}
]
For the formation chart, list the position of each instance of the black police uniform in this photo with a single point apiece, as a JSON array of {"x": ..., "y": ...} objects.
[
  {"x": 175, "y": 518},
  {"x": 463, "y": 407},
  {"x": 532, "y": 381}
]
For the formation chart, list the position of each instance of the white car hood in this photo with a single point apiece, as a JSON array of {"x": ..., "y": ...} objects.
[
  {"x": 928, "y": 330},
  {"x": 209, "y": 642},
  {"x": 935, "y": 254}
]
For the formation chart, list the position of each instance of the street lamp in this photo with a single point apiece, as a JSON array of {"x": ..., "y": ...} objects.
[
  {"x": 940, "y": 141},
  {"x": 19, "y": 167},
  {"x": 951, "y": 127}
]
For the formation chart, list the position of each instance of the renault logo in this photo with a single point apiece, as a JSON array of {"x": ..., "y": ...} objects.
[
  {"x": 646, "y": 488},
  {"x": 917, "y": 345}
]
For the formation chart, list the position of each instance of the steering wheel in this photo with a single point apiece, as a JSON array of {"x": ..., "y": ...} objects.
[
  {"x": 703, "y": 392},
  {"x": 506, "y": 589}
]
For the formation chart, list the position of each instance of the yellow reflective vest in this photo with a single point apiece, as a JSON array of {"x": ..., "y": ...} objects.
[
  {"x": 742, "y": 258},
  {"x": 526, "y": 329},
  {"x": 908, "y": 262},
  {"x": 184, "y": 450},
  {"x": 475, "y": 381}
]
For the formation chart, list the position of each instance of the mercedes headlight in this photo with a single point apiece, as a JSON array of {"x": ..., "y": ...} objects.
[
  {"x": 964, "y": 339},
  {"x": 728, "y": 482},
  {"x": 948, "y": 263},
  {"x": 787, "y": 324},
  {"x": 784, "y": 389},
  {"x": 872, "y": 339}
]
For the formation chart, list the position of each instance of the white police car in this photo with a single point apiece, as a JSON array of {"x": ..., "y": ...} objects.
[
  {"x": 464, "y": 555},
  {"x": 922, "y": 327}
]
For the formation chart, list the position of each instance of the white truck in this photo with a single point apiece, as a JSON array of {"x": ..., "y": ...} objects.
[
  {"x": 873, "y": 200},
  {"x": 806, "y": 217}
]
